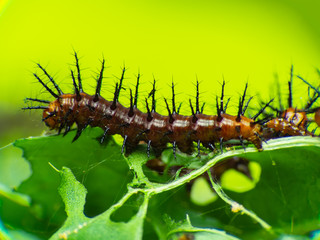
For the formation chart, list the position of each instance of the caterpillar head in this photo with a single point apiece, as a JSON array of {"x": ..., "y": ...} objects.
[{"x": 51, "y": 115}]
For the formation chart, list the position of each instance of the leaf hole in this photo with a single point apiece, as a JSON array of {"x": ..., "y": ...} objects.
[{"x": 129, "y": 209}]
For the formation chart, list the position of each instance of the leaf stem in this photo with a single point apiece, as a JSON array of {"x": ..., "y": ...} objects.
[{"x": 235, "y": 206}]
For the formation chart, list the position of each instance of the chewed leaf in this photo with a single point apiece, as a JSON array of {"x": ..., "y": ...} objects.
[
  {"x": 93, "y": 165},
  {"x": 78, "y": 226},
  {"x": 289, "y": 168},
  {"x": 185, "y": 230},
  {"x": 73, "y": 195}
]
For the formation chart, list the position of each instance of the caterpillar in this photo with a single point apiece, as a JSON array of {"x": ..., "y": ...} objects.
[
  {"x": 290, "y": 121},
  {"x": 152, "y": 128}
]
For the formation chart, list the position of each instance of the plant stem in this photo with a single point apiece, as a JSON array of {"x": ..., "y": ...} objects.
[{"x": 235, "y": 206}]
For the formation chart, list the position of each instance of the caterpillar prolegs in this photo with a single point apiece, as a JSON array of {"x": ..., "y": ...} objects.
[{"x": 152, "y": 128}]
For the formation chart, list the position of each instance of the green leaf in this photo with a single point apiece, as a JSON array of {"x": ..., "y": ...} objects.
[
  {"x": 300, "y": 171},
  {"x": 13, "y": 168},
  {"x": 286, "y": 196},
  {"x": 289, "y": 187},
  {"x": 73, "y": 194},
  {"x": 185, "y": 228},
  {"x": 16, "y": 197},
  {"x": 78, "y": 226},
  {"x": 201, "y": 192},
  {"x": 99, "y": 167}
]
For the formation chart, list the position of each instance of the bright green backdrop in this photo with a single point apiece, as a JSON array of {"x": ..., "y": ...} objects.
[{"x": 239, "y": 40}]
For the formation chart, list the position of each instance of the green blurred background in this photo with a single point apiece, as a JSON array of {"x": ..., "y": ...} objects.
[{"x": 240, "y": 41}]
